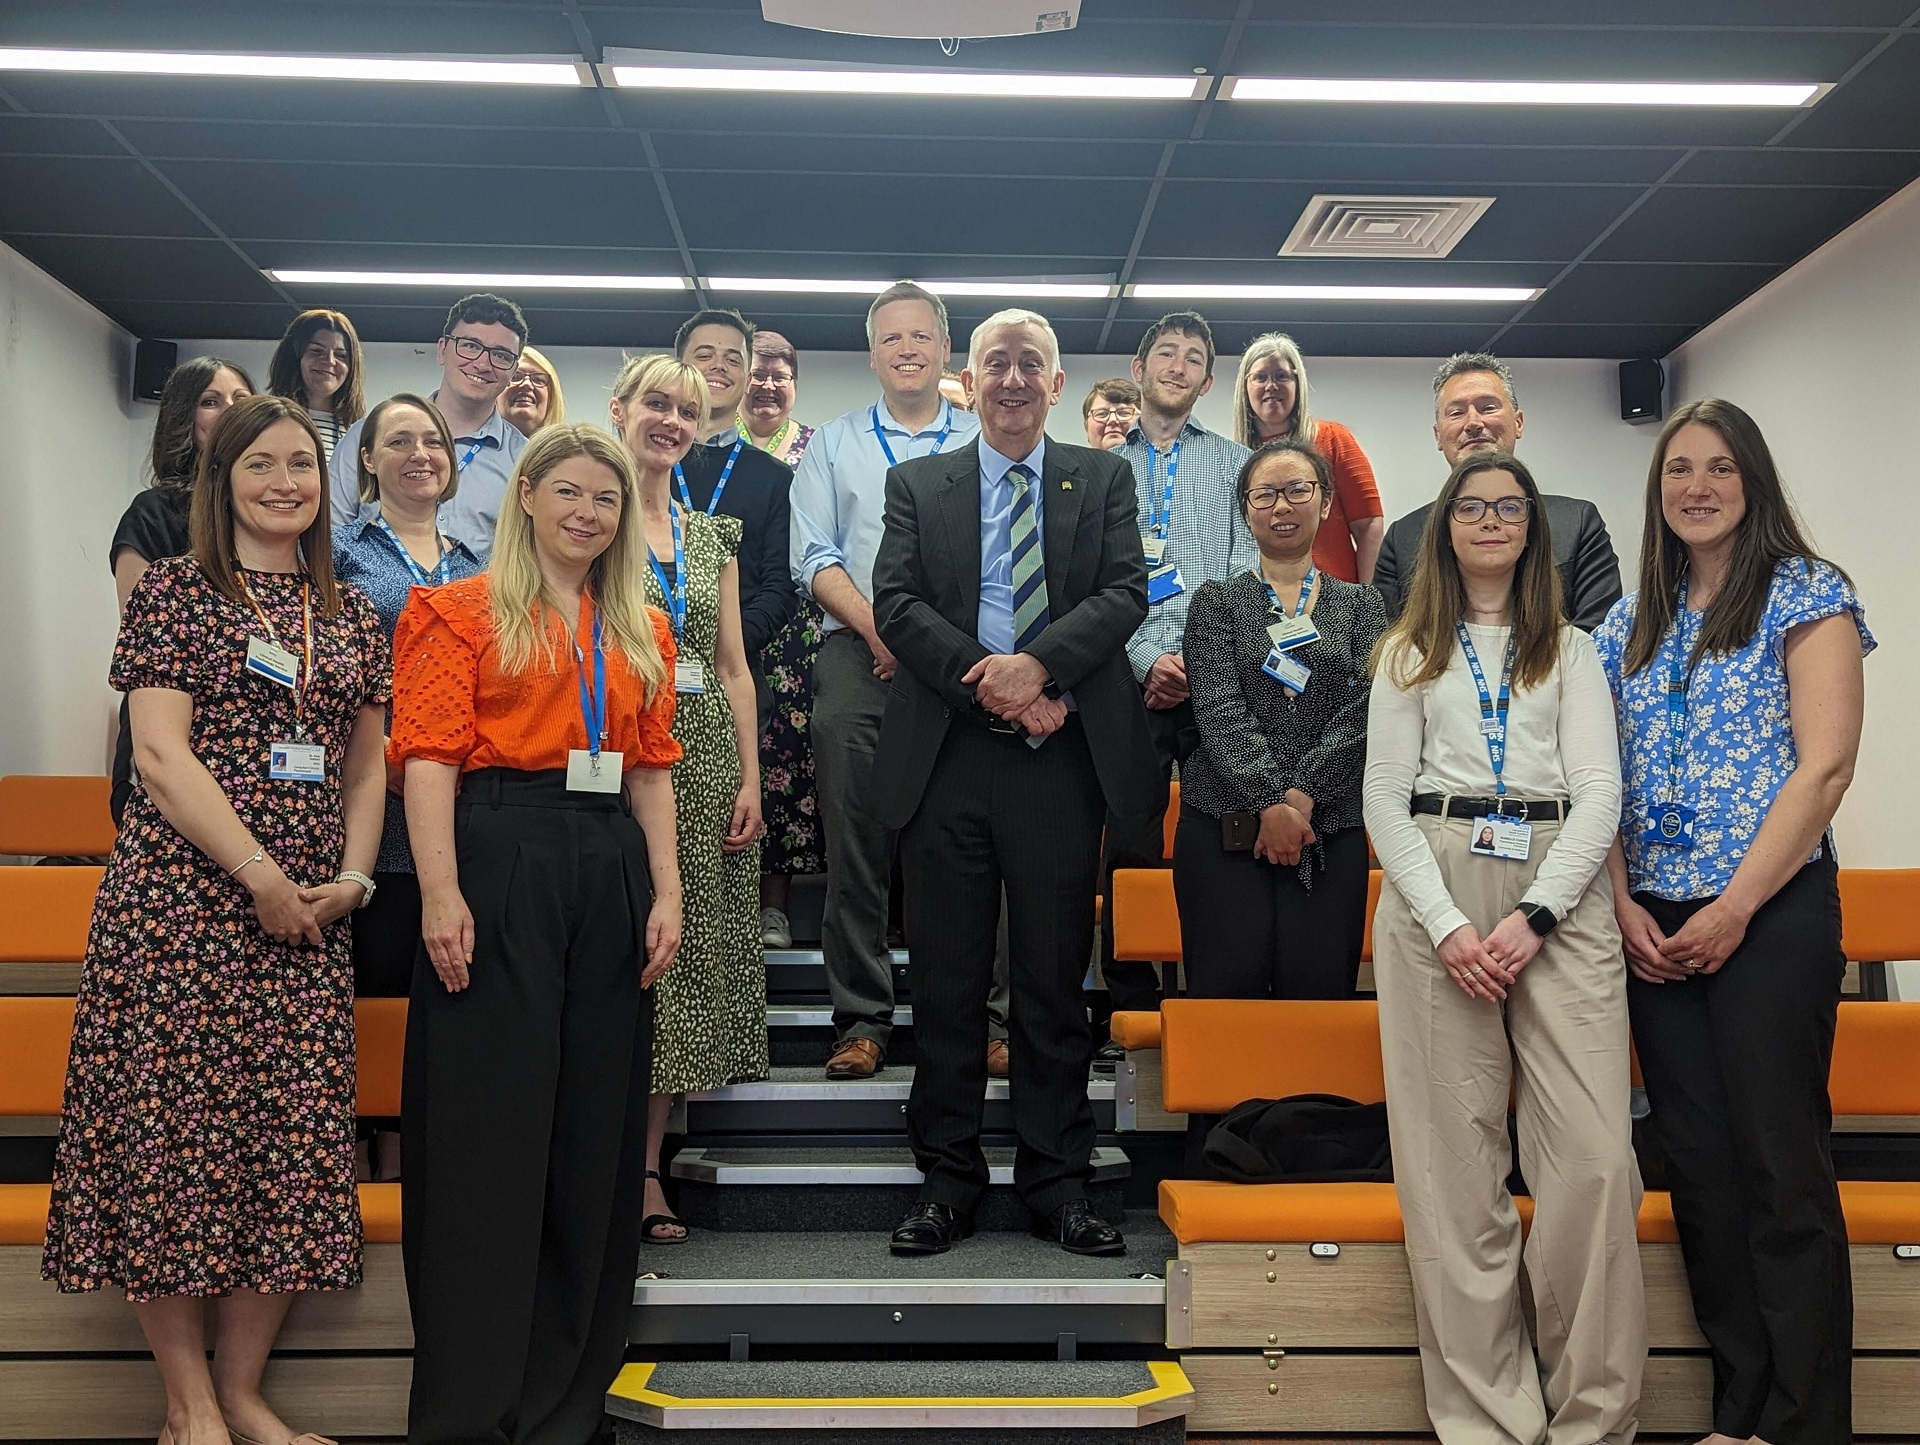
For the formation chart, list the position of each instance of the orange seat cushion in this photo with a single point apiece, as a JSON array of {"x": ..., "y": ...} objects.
[
  {"x": 1218, "y": 1053},
  {"x": 1874, "y": 1048},
  {"x": 1146, "y": 921},
  {"x": 45, "y": 912},
  {"x": 23, "y": 1213},
  {"x": 379, "y": 1045},
  {"x": 62, "y": 817},
  {"x": 1136, "y": 1030},
  {"x": 1203, "y": 1211},
  {"x": 33, "y": 1058},
  {"x": 1879, "y": 914},
  {"x": 1881, "y": 1211},
  {"x": 380, "y": 1213}
]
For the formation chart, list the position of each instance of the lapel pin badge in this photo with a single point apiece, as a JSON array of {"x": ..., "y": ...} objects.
[{"x": 1066, "y": 484}]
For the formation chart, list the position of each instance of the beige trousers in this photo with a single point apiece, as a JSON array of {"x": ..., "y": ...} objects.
[{"x": 1559, "y": 1045}]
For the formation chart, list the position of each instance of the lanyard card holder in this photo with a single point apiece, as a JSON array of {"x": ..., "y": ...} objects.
[
  {"x": 1164, "y": 584},
  {"x": 1287, "y": 670},
  {"x": 1670, "y": 825},
  {"x": 297, "y": 762},
  {"x": 590, "y": 772},
  {"x": 1290, "y": 632},
  {"x": 1496, "y": 835}
]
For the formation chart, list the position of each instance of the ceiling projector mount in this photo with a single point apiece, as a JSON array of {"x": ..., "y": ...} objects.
[{"x": 947, "y": 21}]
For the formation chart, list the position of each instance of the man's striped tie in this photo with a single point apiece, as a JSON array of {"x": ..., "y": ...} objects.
[{"x": 1030, "y": 616}]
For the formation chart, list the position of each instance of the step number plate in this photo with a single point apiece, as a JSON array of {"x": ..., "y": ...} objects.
[
  {"x": 1906, "y": 1251},
  {"x": 1324, "y": 1251}
]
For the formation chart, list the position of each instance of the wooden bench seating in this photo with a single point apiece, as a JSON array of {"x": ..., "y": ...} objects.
[
  {"x": 1272, "y": 1276},
  {"x": 58, "y": 1368}
]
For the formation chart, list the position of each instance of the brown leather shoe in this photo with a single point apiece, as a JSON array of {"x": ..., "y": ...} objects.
[
  {"x": 855, "y": 1058},
  {"x": 997, "y": 1059}
]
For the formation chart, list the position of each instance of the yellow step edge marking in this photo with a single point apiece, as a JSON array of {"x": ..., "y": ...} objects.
[{"x": 631, "y": 1384}]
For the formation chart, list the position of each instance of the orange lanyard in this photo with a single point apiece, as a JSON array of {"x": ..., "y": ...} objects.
[{"x": 306, "y": 667}]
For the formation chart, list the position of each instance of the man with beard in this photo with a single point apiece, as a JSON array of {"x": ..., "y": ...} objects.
[{"x": 1190, "y": 530}]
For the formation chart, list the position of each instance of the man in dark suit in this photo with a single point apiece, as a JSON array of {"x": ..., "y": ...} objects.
[
  {"x": 1009, "y": 578},
  {"x": 1474, "y": 410}
]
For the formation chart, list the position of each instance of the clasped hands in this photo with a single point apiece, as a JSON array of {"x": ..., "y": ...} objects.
[
  {"x": 1008, "y": 685},
  {"x": 1486, "y": 968}
]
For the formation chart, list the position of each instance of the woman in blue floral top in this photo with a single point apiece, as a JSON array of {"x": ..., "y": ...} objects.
[{"x": 1737, "y": 672}]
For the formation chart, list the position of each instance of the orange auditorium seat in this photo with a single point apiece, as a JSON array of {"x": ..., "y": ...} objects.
[{"x": 55, "y": 817}]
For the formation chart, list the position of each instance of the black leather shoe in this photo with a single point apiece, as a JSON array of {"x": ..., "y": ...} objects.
[
  {"x": 930, "y": 1228},
  {"x": 1078, "y": 1230}
]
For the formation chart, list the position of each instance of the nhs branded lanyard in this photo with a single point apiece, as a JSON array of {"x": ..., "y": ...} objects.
[
  {"x": 713, "y": 502},
  {"x": 472, "y": 452},
  {"x": 1493, "y": 714},
  {"x": 676, "y": 595},
  {"x": 593, "y": 709},
  {"x": 1306, "y": 590},
  {"x": 881, "y": 437},
  {"x": 441, "y": 569},
  {"x": 1160, "y": 505}
]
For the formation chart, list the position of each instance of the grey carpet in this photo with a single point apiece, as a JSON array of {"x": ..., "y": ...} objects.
[
  {"x": 1167, "y": 1432},
  {"x": 849, "y": 1379}
]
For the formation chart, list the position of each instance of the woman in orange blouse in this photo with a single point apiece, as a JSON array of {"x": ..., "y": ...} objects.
[
  {"x": 533, "y": 717},
  {"x": 1269, "y": 405}
]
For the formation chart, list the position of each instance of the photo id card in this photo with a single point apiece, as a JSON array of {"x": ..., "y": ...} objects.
[
  {"x": 297, "y": 762},
  {"x": 1163, "y": 583},
  {"x": 1291, "y": 632},
  {"x": 275, "y": 664},
  {"x": 1288, "y": 671},
  {"x": 589, "y": 774},
  {"x": 1155, "y": 548},
  {"x": 1670, "y": 825},
  {"x": 688, "y": 675},
  {"x": 1509, "y": 838}
]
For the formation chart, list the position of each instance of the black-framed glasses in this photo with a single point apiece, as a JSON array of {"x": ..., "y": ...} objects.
[
  {"x": 1507, "y": 509},
  {"x": 469, "y": 349},
  {"x": 1105, "y": 414},
  {"x": 1264, "y": 499}
]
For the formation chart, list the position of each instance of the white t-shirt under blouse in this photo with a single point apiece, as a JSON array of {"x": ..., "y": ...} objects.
[{"x": 1561, "y": 746}]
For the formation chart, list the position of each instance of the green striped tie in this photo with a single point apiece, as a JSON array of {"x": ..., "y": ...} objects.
[{"x": 1030, "y": 616}]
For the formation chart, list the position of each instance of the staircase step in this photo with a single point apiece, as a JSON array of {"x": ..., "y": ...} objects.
[
  {"x": 802, "y": 1034},
  {"x": 820, "y": 1189},
  {"x": 1091, "y": 1402},
  {"x": 801, "y": 1099},
  {"x": 801, "y": 973}
]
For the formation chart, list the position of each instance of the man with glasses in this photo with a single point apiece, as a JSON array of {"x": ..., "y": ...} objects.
[
  {"x": 1110, "y": 411},
  {"x": 1476, "y": 409},
  {"x": 478, "y": 349}
]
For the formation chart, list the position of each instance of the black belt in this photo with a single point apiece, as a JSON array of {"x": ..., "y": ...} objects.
[{"x": 1536, "y": 811}]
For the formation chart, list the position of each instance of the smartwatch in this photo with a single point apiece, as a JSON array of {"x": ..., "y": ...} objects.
[
  {"x": 1540, "y": 918},
  {"x": 347, "y": 875}
]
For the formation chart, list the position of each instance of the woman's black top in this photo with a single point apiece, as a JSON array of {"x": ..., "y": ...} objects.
[
  {"x": 153, "y": 526},
  {"x": 1257, "y": 740}
]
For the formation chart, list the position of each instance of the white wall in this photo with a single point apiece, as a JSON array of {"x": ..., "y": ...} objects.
[
  {"x": 1827, "y": 360},
  {"x": 73, "y": 448}
]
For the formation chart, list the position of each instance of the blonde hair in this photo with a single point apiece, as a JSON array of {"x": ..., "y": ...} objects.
[
  {"x": 525, "y": 611},
  {"x": 658, "y": 371},
  {"x": 556, "y": 401},
  {"x": 1246, "y": 426}
]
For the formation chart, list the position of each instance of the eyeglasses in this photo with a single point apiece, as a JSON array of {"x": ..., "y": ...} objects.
[
  {"x": 1263, "y": 499},
  {"x": 1105, "y": 414},
  {"x": 468, "y": 349},
  {"x": 538, "y": 380},
  {"x": 1507, "y": 509}
]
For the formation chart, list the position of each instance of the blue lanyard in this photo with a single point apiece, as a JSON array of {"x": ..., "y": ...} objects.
[
  {"x": 1306, "y": 590},
  {"x": 1677, "y": 701},
  {"x": 1160, "y": 508},
  {"x": 1491, "y": 711},
  {"x": 593, "y": 709},
  {"x": 676, "y": 595},
  {"x": 881, "y": 437},
  {"x": 472, "y": 452},
  {"x": 441, "y": 569},
  {"x": 713, "y": 502}
]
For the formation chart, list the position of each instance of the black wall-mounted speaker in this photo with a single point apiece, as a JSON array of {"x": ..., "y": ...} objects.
[
  {"x": 153, "y": 363},
  {"x": 1641, "y": 385}
]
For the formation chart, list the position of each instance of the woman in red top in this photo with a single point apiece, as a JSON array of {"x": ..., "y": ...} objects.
[
  {"x": 533, "y": 716},
  {"x": 1270, "y": 404}
]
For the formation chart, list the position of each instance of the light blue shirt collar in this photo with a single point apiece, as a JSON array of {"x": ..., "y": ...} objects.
[
  {"x": 889, "y": 422},
  {"x": 994, "y": 466}
]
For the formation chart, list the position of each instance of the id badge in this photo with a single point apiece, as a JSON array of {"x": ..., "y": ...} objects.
[
  {"x": 1155, "y": 548},
  {"x": 1670, "y": 825},
  {"x": 297, "y": 762},
  {"x": 1510, "y": 838},
  {"x": 589, "y": 774},
  {"x": 1291, "y": 632},
  {"x": 273, "y": 663},
  {"x": 688, "y": 675},
  {"x": 1289, "y": 672},
  {"x": 1163, "y": 584}
]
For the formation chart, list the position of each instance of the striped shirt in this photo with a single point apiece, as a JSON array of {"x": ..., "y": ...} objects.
[
  {"x": 329, "y": 429},
  {"x": 1206, "y": 539}
]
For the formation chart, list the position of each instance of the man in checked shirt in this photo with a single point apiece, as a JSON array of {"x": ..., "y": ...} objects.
[{"x": 1190, "y": 530}]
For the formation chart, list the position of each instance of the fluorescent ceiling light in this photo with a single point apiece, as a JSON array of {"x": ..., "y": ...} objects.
[
  {"x": 294, "y": 67},
  {"x": 1518, "y": 92},
  {"x": 478, "y": 280},
  {"x": 1174, "y": 291},
  {"x": 1057, "y": 290},
  {"x": 1010, "y": 85}
]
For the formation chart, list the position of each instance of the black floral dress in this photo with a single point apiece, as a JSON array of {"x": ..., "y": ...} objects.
[
  {"x": 206, "y": 1140},
  {"x": 788, "y": 804}
]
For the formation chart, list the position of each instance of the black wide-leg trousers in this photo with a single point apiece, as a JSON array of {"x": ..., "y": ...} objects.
[
  {"x": 1736, "y": 1065},
  {"x": 999, "y": 814},
  {"x": 524, "y": 1107}
]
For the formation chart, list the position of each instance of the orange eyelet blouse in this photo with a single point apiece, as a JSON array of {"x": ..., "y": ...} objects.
[{"x": 453, "y": 704}]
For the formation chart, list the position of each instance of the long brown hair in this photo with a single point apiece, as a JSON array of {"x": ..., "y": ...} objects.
[
  {"x": 1437, "y": 598},
  {"x": 175, "y": 453},
  {"x": 283, "y": 372},
  {"x": 1768, "y": 534},
  {"x": 211, "y": 522}
]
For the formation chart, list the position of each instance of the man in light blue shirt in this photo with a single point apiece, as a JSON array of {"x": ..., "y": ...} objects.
[
  {"x": 477, "y": 351},
  {"x": 837, "y": 499}
]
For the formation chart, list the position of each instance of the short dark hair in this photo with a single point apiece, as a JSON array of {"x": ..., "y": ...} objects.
[
  {"x": 1283, "y": 447},
  {"x": 1180, "y": 323},
  {"x": 713, "y": 316},
  {"x": 1116, "y": 389},
  {"x": 484, "y": 309}
]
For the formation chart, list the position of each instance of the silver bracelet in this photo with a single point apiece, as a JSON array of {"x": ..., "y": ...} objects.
[
  {"x": 367, "y": 885},
  {"x": 259, "y": 856}
]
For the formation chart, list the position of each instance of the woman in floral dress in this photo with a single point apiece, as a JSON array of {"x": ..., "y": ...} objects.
[{"x": 206, "y": 1139}]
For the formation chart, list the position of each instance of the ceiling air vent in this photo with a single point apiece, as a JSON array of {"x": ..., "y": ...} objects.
[{"x": 1392, "y": 228}]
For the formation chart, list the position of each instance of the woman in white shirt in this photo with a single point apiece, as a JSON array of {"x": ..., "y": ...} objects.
[{"x": 1498, "y": 964}]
